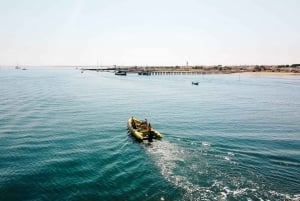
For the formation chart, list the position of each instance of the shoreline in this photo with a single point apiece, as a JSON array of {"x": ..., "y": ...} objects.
[
  {"x": 269, "y": 73},
  {"x": 168, "y": 71},
  {"x": 178, "y": 70}
]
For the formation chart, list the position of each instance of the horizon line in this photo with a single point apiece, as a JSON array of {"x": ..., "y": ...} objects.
[{"x": 145, "y": 65}]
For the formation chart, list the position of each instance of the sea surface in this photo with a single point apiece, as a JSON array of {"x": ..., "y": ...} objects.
[{"x": 63, "y": 136}]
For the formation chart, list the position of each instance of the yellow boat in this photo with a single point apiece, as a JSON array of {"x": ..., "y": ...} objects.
[{"x": 140, "y": 130}]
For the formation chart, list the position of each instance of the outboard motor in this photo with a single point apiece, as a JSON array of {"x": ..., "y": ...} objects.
[{"x": 150, "y": 136}]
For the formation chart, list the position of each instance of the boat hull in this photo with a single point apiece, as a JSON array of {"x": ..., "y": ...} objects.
[{"x": 139, "y": 133}]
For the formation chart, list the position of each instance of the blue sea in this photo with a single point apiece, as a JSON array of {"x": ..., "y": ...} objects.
[{"x": 63, "y": 136}]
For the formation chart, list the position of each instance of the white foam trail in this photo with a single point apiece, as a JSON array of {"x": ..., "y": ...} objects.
[
  {"x": 167, "y": 156},
  {"x": 174, "y": 164},
  {"x": 227, "y": 158},
  {"x": 207, "y": 144}
]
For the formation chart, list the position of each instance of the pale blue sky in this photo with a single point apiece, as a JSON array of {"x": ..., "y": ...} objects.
[{"x": 153, "y": 32}]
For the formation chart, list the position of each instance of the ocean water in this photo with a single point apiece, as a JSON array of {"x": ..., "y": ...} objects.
[{"x": 63, "y": 136}]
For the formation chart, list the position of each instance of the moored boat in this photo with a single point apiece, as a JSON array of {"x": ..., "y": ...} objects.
[
  {"x": 121, "y": 73},
  {"x": 195, "y": 83},
  {"x": 144, "y": 73},
  {"x": 141, "y": 131}
]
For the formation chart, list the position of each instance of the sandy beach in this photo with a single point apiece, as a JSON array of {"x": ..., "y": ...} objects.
[{"x": 270, "y": 73}]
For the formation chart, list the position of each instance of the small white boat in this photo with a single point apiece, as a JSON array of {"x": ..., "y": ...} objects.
[{"x": 121, "y": 73}]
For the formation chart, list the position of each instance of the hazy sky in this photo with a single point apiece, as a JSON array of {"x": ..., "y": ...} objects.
[{"x": 149, "y": 32}]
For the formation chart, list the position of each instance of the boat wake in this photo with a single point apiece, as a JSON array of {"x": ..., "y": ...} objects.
[
  {"x": 199, "y": 174},
  {"x": 173, "y": 163}
]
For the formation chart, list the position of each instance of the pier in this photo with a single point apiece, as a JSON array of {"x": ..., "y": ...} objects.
[{"x": 177, "y": 73}]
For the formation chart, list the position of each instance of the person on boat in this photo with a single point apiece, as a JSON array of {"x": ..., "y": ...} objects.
[
  {"x": 150, "y": 133},
  {"x": 144, "y": 124},
  {"x": 133, "y": 123}
]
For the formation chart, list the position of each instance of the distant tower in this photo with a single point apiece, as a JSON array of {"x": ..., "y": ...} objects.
[{"x": 187, "y": 64}]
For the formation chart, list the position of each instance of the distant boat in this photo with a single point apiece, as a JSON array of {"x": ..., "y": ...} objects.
[
  {"x": 145, "y": 73},
  {"x": 24, "y": 68},
  {"x": 121, "y": 73},
  {"x": 195, "y": 83},
  {"x": 18, "y": 67}
]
